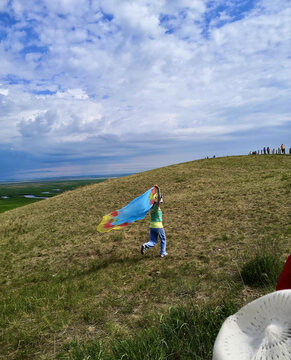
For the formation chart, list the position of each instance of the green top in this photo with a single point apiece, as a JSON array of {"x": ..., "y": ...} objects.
[{"x": 156, "y": 217}]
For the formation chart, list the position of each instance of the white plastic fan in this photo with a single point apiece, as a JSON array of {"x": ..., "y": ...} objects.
[{"x": 261, "y": 330}]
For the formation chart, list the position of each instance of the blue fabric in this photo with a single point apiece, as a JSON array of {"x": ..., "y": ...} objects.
[
  {"x": 154, "y": 234},
  {"x": 135, "y": 210}
]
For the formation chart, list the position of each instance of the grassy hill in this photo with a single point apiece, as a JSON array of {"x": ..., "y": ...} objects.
[{"x": 64, "y": 286}]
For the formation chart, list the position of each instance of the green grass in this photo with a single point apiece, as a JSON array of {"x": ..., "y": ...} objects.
[
  {"x": 15, "y": 191},
  {"x": 184, "y": 332},
  {"x": 14, "y": 202},
  {"x": 65, "y": 288},
  {"x": 262, "y": 270}
]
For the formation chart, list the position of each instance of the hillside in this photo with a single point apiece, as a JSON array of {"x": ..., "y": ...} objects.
[{"x": 61, "y": 280}]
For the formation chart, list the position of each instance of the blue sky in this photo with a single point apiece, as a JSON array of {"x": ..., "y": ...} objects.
[{"x": 98, "y": 87}]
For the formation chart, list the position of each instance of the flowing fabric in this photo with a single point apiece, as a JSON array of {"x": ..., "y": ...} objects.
[{"x": 135, "y": 210}]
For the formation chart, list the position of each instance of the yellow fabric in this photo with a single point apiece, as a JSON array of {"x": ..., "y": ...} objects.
[
  {"x": 105, "y": 219},
  {"x": 156, "y": 225}
]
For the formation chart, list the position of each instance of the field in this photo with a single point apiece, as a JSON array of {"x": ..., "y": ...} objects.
[
  {"x": 68, "y": 292},
  {"x": 12, "y": 194}
]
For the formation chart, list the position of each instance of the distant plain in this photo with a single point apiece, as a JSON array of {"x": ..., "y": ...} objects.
[{"x": 12, "y": 195}]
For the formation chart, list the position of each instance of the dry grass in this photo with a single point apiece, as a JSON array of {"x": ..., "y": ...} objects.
[{"x": 61, "y": 280}]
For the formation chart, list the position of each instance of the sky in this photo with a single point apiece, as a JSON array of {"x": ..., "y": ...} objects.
[{"x": 104, "y": 87}]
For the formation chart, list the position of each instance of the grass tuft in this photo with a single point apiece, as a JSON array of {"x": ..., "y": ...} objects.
[{"x": 262, "y": 270}]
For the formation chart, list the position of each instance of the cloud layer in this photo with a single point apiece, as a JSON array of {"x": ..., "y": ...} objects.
[{"x": 116, "y": 86}]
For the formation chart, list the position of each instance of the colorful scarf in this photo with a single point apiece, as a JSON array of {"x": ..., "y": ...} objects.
[{"x": 135, "y": 210}]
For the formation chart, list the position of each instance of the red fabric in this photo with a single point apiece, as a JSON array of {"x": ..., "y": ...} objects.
[{"x": 284, "y": 281}]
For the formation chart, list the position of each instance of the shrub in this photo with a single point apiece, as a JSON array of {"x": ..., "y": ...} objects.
[{"x": 262, "y": 270}]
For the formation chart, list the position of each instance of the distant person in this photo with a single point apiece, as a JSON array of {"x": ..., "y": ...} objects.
[
  {"x": 264, "y": 150},
  {"x": 156, "y": 228},
  {"x": 283, "y": 149},
  {"x": 268, "y": 150}
]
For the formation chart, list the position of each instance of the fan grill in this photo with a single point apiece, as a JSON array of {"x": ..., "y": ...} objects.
[{"x": 261, "y": 330}]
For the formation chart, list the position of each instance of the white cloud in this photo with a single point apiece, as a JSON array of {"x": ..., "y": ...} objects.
[
  {"x": 73, "y": 93},
  {"x": 4, "y": 92},
  {"x": 71, "y": 74},
  {"x": 3, "y": 4},
  {"x": 134, "y": 17},
  {"x": 70, "y": 117}
]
